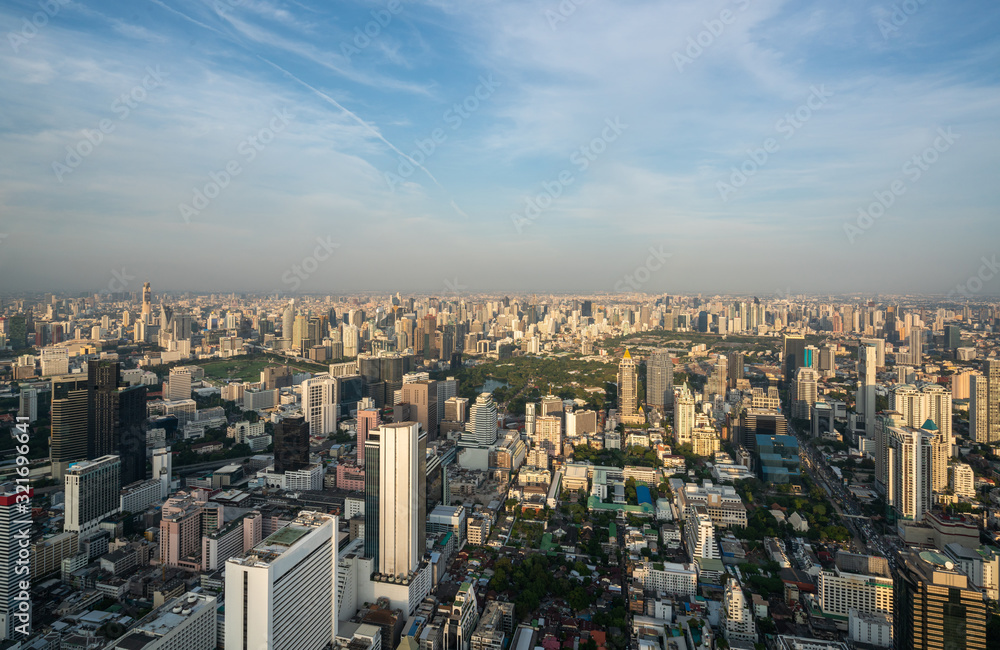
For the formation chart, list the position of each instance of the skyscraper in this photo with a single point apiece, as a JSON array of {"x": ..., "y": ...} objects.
[
  {"x": 865, "y": 399},
  {"x": 482, "y": 426},
  {"x": 92, "y": 493},
  {"x": 660, "y": 380},
  {"x": 291, "y": 445},
  {"x": 130, "y": 433},
  {"x": 936, "y": 606},
  {"x": 102, "y": 408},
  {"x": 627, "y": 387},
  {"x": 683, "y": 415},
  {"x": 395, "y": 497},
  {"x": 319, "y": 404},
  {"x": 911, "y": 459},
  {"x": 69, "y": 422},
  {"x": 15, "y": 525},
  {"x": 735, "y": 368},
  {"x": 147, "y": 302},
  {"x": 979, "y": 410},
  {"x": 28, "y": 404},
  {"x": 367, "y": 420},
  {"x": 793, "y": 352},
  {"x": 283, "y": 592},
  {"x": 916, "y": 345},
  {"x": 421, "y": 395}
]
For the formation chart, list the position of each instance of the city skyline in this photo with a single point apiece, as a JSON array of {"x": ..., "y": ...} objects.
[{"x": 646, "y": 111}]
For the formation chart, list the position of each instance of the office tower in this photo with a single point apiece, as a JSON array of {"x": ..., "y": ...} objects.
[
  {"x": 421, "y": 395},
  {"x": 683, "y": 415},
  {"x": 54, "y": 361},
  {"x": 916, "y": 341},
  {"x": 879, "y": 345},
  {"x": 15, "y": 526},
  {"x": 551, "y": 405},
  {"x": 282, "y": 592},
  {"x": 865, "y": 398},
  {"x": 395, "y": 497},
  {"x": 777, "y": 457},
  {"x": 28, "y": 404},
  {"x": 482, "y": 426},
  {"x": 163, "y": 466},
  {"x": 910, "y": 465},
  {"x": 276, "y": 377},
  {"x": 810, "y": 357},
  {"x": 17, "y": 331},
  {"x": 147, "y": 302},
  {"x": 70, "y": 399},
  {"x": 93, "y": 490},
  {"x": 703, "y": 320},
  {"x": 456, "y": 409},
  {"x": 760, "y": 421},
  {"x": 793, "y": 351},
  {"x": 627, "y": 387},
  {"x": 130, "y": 432},
  {"x": 952, "y": 337},
  {"x": 351, "y": 338},
  {"x": 179, "y": 384},
  {"x": 319, "y": 404},
  {"x": 446, "y": 389},
  {"x": 827, "y": 362},
  {"x": 366, "y": 420},
  {"x": 936, "y": 606},
  {"x": 188, "y": 621},
  {"x": 300, "y": 333},
  {"x": 735, "y": 364},
  {"x": 548, "y": 433},
  {"x": 291, "y": 445},
  {"x": 804, "y": 392},
  {"x": 102, "y": 411}
]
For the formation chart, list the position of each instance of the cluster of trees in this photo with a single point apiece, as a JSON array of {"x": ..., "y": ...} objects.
[{"x": 533, "y": 579}]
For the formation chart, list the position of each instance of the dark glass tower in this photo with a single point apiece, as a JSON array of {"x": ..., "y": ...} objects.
[{"x": 291, "y": 445}]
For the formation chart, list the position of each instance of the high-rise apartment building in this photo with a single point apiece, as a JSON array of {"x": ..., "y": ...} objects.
[
  {"x": 282, "y": 593},
  {"x": 549, "y": 434},
  {"x": 683, "y": 415},
  {"x": 910, "y": 465}
]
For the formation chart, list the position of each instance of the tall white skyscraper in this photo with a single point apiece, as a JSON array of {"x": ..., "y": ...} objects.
[
  {"x": 395, "y": 497},
  {"x": 482, "y": 426},
  {"x": 319, "y": 404},
  {"x": 163, "y": 466},
  {"x": 15, "y": 525},
  {"x": 865, "y": 402},
  {"x": 911, "y": 458},
  {"x": 683, "y": 415},
  {"x": 179, "y": 384},
  {"x": 282, "y": 593},
  {"x": 92, "y": 494},
  {"x": 913, "y": 404},
  {"x": 939, "y": 410}
]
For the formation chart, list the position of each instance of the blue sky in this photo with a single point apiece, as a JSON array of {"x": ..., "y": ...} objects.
[{"x": 696, "y": 89}]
